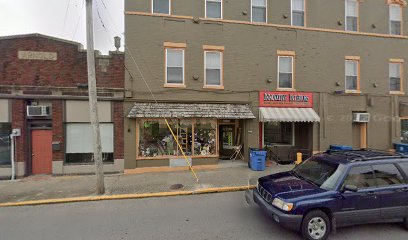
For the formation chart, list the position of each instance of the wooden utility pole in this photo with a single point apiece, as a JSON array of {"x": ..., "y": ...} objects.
[{"x": 97, "y": 147}]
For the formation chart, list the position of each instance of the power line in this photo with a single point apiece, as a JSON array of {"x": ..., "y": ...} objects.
[
  {"x": 66, "y": 15},
  {"x": 79, "y": 20}
]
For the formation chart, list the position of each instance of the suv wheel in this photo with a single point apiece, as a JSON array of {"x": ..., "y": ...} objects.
[
  {"x": 316, "y": 225},
  {"x": 406, "y": 223}
]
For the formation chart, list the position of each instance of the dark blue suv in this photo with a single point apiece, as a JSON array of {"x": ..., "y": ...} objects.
[{"x": 337, "y": 188}]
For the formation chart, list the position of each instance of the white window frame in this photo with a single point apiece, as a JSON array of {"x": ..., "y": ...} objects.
[
  {"x": 166, "y": 66},
  {"x": 304, "y": 13},
  {"x": 389, "y": 18},
  {"x": 221, "y": 69},
  {"x": 222, "y": 8},
  {"x": 358, "y": 76},
  {"x": 266, "y": 12},
  {"x": 293, "y": 68},
  {"x": 401, "y": 74},
  {"x": 358, "y": 15},
  {"x": 152, "y": 9}
]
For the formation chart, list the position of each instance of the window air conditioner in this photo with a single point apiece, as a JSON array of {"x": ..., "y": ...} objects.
[
  {"x": 38, "y": 111},
  {"x": 361, "y": 117}
]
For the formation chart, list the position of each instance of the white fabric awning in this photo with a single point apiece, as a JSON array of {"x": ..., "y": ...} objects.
[{"x": 270, "y": 114}]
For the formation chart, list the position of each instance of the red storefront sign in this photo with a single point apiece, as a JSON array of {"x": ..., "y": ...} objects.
[{"x": 286, "y": 99}]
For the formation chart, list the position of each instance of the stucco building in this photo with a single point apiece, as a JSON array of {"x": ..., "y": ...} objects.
[
  {"x": 312, "y": 73},
  {"x": 43, "y": 97}
]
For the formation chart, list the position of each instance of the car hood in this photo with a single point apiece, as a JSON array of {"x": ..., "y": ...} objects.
[{"x": 287, "y": 186}]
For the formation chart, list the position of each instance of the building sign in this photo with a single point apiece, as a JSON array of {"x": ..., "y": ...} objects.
[
  {"x": 286, "y": 99},
  {"x": 32, "y": 55}
]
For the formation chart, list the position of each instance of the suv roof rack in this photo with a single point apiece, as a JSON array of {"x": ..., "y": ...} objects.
[{"x": 366, "y": 154}]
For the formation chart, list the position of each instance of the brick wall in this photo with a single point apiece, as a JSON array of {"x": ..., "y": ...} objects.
[
  {"x": 18, "y": 121},
  {"x": 118, "y": 130},
  {"x": 58, "y": 129}
]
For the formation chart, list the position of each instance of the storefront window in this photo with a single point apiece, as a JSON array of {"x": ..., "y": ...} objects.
[
  {"x": 278, "y": 133},
  {"x": 404, "y": 131},
  {"x": 5, "y": 154},
  {"x": 156, "y": 140},
  {"x": 79, "y": 142},
  {"x": 205, "y": 138}
]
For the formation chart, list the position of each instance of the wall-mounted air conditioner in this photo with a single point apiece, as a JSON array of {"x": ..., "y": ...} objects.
[
  {"x": 361, "y": 117},
  {"x": 38, "y": 111}
]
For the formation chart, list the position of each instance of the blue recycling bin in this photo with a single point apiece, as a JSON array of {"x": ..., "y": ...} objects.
[
  {"x": 257, "y": 159},
  {"x": 401, "y": 148},
  {"x": 341, "y": 147}
]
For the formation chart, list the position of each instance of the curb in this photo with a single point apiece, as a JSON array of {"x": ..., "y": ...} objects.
[{"x": 125, "y": 196}]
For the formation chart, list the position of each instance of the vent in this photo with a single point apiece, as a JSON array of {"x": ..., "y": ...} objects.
[
  {"x": 38, "y": 111},
  {"x": 361, "y": 117}
]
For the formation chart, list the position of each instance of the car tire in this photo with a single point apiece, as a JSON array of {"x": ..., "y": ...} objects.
[
  {"x": 406, "y": 223},
  {"x": 316, "y": 226}
]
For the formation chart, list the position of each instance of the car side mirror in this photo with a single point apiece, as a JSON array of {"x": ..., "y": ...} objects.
[{"x": 351, "y": 188}]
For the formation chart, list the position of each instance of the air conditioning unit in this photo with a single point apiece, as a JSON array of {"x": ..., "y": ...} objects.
[
  {"x": 361, "y": 117},
  {"x": 38, "y": 111}
]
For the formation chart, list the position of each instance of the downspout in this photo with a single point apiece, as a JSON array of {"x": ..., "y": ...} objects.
[{"x": 13, "y": 167}]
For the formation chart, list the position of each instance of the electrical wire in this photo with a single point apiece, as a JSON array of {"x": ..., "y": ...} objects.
[
  {"x": 66, "y": 15},
  {"x": 79, "y": 19}
]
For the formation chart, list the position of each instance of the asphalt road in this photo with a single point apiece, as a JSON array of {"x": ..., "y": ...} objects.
[{"x": 211, "y": 216}]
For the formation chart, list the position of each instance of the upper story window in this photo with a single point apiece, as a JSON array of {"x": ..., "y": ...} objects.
[
  {"x": 174, "y": 71},
  {"x": 161, "y": 6},
  {"x": 395, "y": 73},
  {"x": 259, "y": 11},
  {"x": 351, "y": 15},
  {"x": 395, "y": 19},
  {"x": 213, "y": 67},
  {"x": 352, "y": 74},
  {"x": 285, "y": 67},
  {"x": 213, "y": 8},
  {"x": 298, "y": 12}
]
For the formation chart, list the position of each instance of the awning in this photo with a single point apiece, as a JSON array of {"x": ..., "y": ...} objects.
[
  {"x": 270, "y": 114},
  {"x": 191, "y": 110}
]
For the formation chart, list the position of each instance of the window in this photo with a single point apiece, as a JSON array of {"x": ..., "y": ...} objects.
[
  {"x": 395, "y": 70},
  {"x": 213, "y": 8},
  {"x": 258, "y": 11},
  {"x": 79, "y": 139},
  {"x": 387, "y": 174},
  {"x": 161, "y": 6},
  {"x": 196, "y": 138},
  {"x": 404, "y": 130},
  {"x": 351, "y": 15},
  {"x": 395, "y": 19},
  {"x": 213, "y": 69},
  {"x": 404, "y": 167},
  {"x": 352, "y": 75},
  {"x": 278, "y": 133},
  {"x": 298, "y": 13},
  {"x": 285, "y": 75},
  {"x": 5, "y": 144},
  {"x": 361, "y": 177},
  {"x": 174, "y": 66}
]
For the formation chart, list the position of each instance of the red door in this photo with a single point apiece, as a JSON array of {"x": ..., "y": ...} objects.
[{"x": 41, "y": 142}]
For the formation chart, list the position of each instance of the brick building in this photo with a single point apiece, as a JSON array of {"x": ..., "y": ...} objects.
[{"x": 43, "y": 95}]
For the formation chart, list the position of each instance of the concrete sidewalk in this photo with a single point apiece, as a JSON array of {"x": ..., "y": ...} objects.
[{"x": 227, "y": 174}]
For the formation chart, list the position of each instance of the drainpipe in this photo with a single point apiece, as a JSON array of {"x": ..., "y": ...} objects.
[{"x": 13, "y": 167}]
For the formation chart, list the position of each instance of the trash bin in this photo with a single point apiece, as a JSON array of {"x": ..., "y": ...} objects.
[
  {"x": 341, "y": 147},
  {"x": 401, "y": 148},
  {"x": 257, "y": 159}
]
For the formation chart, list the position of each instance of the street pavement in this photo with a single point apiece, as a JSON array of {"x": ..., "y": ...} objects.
[{"x": 198, "y": 217}]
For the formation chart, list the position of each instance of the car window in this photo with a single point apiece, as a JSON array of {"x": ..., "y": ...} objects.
[
  {"x": 387, "y": 174},
  {"x": 404, "y": 167},
  {"x": 361, "y": 177}
]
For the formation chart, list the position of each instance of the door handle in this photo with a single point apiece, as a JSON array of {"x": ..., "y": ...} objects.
[
  {"x": 402, "y": 190},
  {"x": 370, "y": 194}
]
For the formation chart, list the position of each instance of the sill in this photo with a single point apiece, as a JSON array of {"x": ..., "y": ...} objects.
[
  {"x": 161, "y": 14},
  {"x": 352, "y": 92},
  {"x": 286, "y": 89},
  {"x": 86, "y": 164},
  {"x": 213, "y": 87},
  {"x": 397, "y": 93},
  {"x": 5, "y": 166},
  {"x": 174, "y": 86},
  {"x": 175, "y": 157},
  {"x": 208, "y": 18}
]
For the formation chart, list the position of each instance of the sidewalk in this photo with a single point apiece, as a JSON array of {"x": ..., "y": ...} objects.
[{"x": 227, "y": 174}]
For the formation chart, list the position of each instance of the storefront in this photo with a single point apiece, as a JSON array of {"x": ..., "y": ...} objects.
[
  {"x": 204, "y": 131},
  {"x": 286, "y": 124}
]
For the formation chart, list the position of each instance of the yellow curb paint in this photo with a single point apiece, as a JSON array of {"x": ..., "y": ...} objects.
[{"x": 125, "y": 196}]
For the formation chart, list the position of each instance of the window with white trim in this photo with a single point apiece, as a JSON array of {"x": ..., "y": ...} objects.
[
  {"x": 298, "y": 13},
  {"x": 213, "y": 68},
  {"x": 395, "y": 77},
  {"x": 395, "y": 19},
  {"x": 351, "y": 15},
  {"x": 161, "y": 6},
  {"x": 285, "y": 75},
  {"x": 352, "y": 77},
  {"x": 213, "y": 8},
  {"x": 259, "y": 11},
  {"x": 174, "y": 66}
]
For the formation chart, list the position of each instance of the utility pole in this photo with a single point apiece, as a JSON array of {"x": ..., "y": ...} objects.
[{"x": 97, "y": 147}]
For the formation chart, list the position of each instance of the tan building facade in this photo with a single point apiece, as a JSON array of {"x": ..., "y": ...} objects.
[{"x": 346, "y": 56}]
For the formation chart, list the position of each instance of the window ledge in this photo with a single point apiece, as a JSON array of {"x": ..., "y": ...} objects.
[
  {"x": 397, "y": 93},
  {"x": 352, "y": 91},
  {"x": 213, "y": 87},
  {"x": 175, "y": 86},
  {"x": 5, "y": 166},
  {"x": 286, "y": 89}
]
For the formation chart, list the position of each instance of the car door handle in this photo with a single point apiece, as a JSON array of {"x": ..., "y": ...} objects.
[
  {"x": 402, "y": 190},
  {"x": 370, "y": 194}
]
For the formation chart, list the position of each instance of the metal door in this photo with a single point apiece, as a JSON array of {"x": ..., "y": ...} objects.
[{"x": 41, "y": 149}]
